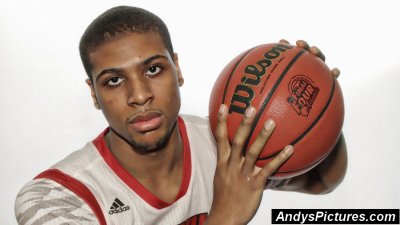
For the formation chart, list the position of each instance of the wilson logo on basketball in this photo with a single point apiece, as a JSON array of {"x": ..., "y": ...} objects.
[
  {"x": 302, "y": 94},
  {"x": 244, "y": 93}
]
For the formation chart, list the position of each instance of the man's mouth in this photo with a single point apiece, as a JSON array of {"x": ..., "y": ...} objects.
[{"x": 147, "y": 121}]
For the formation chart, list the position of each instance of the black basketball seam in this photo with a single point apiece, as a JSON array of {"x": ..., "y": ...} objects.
[
  {"x": 233, "y": 70},
  {"x": 311, "y": 126},
  {"x": 262, "y": 108},
  {"x": 296, "y": 170},
  {"x": 312, "y": 165}
]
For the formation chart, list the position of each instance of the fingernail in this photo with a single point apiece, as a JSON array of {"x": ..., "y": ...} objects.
[
  {"x": 222, "y": 109},
  {"x": 269, "y": 124},
  {"x": 250, "y": 112},
  {"x": 288, "y": 149}
]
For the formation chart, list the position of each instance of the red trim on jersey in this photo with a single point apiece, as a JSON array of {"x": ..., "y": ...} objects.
[
  {"x": 198, "y": 219},
  {"x": 78, "y": 188},
  {"x": 133, "y": 183}
]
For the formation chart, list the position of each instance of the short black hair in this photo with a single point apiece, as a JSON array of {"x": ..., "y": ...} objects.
[{"x": 118, "y": 22}]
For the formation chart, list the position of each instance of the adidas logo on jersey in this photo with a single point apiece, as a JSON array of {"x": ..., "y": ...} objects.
[{"x": 118, "y": 207}]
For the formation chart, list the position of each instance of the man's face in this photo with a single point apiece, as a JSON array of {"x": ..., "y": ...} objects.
[{"x": 136, "y": 84}]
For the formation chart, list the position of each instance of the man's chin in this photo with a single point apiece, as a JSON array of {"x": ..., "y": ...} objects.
[
  {"x": 155, "y": 146},
  {"x": 145, "y": 148}
]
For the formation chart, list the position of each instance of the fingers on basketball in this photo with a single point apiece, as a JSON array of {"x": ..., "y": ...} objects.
[{"x": 272, "y": 166}]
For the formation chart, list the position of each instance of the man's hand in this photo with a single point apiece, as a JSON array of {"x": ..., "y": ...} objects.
[{"x": 238, "y": 185}]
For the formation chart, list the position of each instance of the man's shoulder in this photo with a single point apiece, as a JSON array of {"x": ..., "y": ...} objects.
[
  {"x": 78, "y": 160},
  {"x": 195, "y": 120},
  {"x": 197, "y": 127},
  {"x": 43, "y": 201}
]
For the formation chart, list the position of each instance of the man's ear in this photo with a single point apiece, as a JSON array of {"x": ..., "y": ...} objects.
[
  {"x": 93, "y": 93},
  {"x": 178, "y": 70}
]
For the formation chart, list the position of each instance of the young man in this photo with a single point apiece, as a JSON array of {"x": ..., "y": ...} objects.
[{"x": 152, "y": 165}]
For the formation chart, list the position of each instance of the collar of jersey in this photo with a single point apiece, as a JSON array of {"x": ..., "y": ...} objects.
[{"x": 133, "y": 183}]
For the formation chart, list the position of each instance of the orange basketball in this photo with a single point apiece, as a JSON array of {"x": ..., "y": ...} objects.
[{"x": 294, "y": 88}]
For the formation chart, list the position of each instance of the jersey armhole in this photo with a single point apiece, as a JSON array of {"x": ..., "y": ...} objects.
[{"x": 78, "y": 188}]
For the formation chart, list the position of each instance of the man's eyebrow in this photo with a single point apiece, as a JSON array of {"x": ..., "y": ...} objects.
[{"x": 152, "y": 58}]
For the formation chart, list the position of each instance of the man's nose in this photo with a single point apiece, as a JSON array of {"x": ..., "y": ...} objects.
[{"x": 139, "y": 92}]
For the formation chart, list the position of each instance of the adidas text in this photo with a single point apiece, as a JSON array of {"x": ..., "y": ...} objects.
[{"x": 119, "y": 210}]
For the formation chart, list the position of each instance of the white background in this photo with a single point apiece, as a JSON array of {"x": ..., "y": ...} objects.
[{"x": 46, "y": 109}]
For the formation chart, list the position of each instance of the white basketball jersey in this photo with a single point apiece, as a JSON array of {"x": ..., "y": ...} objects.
[{"x": 91, "y": 187}]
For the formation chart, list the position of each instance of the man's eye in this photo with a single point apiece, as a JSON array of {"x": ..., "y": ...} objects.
[
  {"x": 114, "y": 81},
  {"x": 153, "y": 70}
]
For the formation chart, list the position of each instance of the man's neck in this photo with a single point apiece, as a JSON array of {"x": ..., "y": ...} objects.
[{"x": 159, "y": 171}]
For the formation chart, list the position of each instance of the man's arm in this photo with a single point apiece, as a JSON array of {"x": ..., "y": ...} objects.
[
  {"x": 322, "y": 179},
  {"x": 43, "y": 201}
]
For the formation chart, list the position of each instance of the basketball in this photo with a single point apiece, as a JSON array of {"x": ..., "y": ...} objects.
[{"x": 294, "y": 88}]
